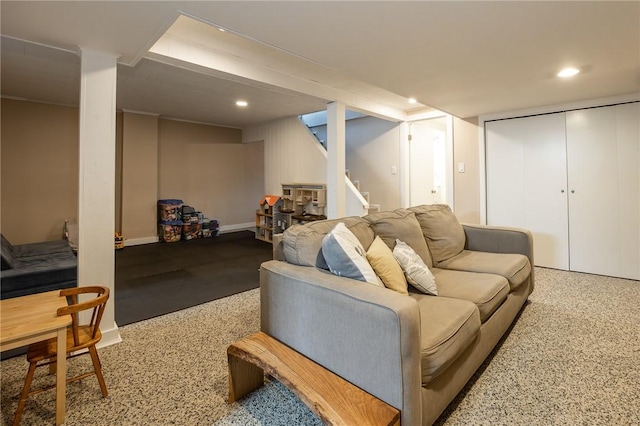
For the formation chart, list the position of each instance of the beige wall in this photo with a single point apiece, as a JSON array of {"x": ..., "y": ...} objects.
[
  {"x": 206, "y": 166},
  {"x": 140, "y": 175},
  {"x": 466, "y": 185},
  {"x": 39, "y": 170},
  {"x": 210, "y": 169}
]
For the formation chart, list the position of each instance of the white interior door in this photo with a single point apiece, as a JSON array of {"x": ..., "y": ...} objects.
[
  {"x": 427, "y": 162},
  {"x": 526, "y": 182},
  {"x": 603, "y": 146}
]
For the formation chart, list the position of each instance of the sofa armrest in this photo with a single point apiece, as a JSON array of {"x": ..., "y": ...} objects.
[
  {"x": 499, "y": 239},
  {"x": 368, "y": 335},
  {"x": 278, "y": 247}
]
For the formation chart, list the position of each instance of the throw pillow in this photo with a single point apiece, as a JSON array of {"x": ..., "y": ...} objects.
[
  {"x": 417, "y": 273},
  {"x": 400, "y": 224},
  {"x": 346, "y": 257},
  {"x": 386, "y": 266}
]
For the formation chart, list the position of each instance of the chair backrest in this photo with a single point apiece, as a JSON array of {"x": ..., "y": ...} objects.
[{"x": 97, "y": 305}]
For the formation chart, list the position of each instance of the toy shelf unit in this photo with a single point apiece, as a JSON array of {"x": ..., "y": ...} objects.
[
  {"x": 299, "y": 203},
  {"x": 303, "y": 202},
  {"x": 268, "y": 220}
]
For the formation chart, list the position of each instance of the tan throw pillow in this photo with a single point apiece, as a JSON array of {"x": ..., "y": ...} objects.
[
  {"x": 442, "y": 231},
  {"x": 403, "y": 225},
  {"x": 386, "y": 267},
  {"x": 417, "y": 273}
]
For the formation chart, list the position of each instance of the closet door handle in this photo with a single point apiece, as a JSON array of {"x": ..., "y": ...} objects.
[
  {"x": 573, "y": 191},
  {"x": 562, "y": 191}
]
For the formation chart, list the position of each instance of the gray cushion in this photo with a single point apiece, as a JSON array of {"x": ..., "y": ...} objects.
[
  {"x": 42, "y": 248},
  {"x": 514, "y": 267},
  {"x": 400, "y": 224},
  {"x": 447, "y": 328},
  {"x": 302, "y": 244},
  {"x": 486, "y": 291},
  {"x": 442, "y": 231},
  {"x": 8, "y": 254},
  {"x": 37, "y": 267}
]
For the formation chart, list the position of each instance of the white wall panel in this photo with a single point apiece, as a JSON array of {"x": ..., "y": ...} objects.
[{"x": 291, "y": 154}]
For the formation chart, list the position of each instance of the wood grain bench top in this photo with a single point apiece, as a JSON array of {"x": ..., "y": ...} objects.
[{"x": 334, "y": 400}]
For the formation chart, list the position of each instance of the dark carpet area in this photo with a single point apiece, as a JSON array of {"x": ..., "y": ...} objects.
[{"x": 156, "y": 279}]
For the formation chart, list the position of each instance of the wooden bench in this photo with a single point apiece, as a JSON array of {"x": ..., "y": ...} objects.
[{"x": 334, "y": 400}]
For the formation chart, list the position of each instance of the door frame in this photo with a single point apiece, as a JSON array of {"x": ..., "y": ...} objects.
[{"x": 405, "y": 169}]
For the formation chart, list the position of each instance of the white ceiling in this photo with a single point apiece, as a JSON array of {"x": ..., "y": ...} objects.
[{"x": 465, "y": 58}]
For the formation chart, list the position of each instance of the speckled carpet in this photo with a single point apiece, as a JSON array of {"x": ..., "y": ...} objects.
[{"x": 573, "y": 357}]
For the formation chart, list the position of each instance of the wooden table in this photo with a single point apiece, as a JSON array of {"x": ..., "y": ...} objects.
[
  {"x": 29, "y": 319},
  {"x": 334, "y": 400}
]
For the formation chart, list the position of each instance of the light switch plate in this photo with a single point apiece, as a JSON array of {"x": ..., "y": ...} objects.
[{"x": 460, "y": 167}]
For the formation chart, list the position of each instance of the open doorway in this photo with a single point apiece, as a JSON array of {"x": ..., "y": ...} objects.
[{"x": 429, "y": 162}]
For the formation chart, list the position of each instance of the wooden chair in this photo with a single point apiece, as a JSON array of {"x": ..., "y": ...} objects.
[{"x": 79, "y": 337}]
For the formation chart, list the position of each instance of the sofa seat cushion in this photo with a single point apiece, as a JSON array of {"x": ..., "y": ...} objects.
[
  {"x": 447, "y": 327},
  {"x": 486, "y": 291},
  {"x": 40, "y": 274},
  {"x": 514, "y": 267}
]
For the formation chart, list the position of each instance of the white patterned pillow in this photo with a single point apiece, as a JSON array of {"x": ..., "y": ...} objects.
[
  {"x": 346, "y": 257},
  {"x": 417, "y": 273}
]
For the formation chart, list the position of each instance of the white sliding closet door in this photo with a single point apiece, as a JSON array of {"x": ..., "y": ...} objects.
[
  {"x": 526, "y": 165},
  {"x": 603, "y": 147}
]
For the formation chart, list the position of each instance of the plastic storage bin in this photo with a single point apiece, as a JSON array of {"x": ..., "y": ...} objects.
[
  {"x": 170, "y": 231},
  {"x": 169, "y": 210},
  {"x": 191, "y": 231}
]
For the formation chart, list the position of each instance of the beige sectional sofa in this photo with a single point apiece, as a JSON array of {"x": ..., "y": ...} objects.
[{"x": 414, "y": 351}]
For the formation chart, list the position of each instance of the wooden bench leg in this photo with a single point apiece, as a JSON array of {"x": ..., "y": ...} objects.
[
  {"x": 333, "y": 399},
  {"x": 244, "y": 377}
]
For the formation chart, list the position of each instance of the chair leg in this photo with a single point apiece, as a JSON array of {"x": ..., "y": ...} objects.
[
  {"x": 98, "y": 369},
  {"x": 25, "y": 393}
]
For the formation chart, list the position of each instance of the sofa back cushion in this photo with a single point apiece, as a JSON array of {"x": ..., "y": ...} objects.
[
  {"x": 302, "y": 244},
  {"x": 442, "y": 231},
  {"x": 400, "y": 224}
]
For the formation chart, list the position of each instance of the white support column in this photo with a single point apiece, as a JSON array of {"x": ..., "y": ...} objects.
[
  {"x": 336, "y": 160},
  {"x": 96, "y": 204},
  {"x": 405, "y": 172}
]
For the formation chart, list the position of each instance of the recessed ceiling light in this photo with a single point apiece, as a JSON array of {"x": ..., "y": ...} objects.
[
  {"x": 242, "y": 103},
  {"x": 412, "y": 100},
  {"x": 568, "y": 72}
]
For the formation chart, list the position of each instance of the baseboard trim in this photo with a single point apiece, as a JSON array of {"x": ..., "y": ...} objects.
[
  {"x": 250, "y": 226},
  {"x": 110, "y": 337},
  {"x": 237, "y": 227},
  {"x": 140, "y": 241}
]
